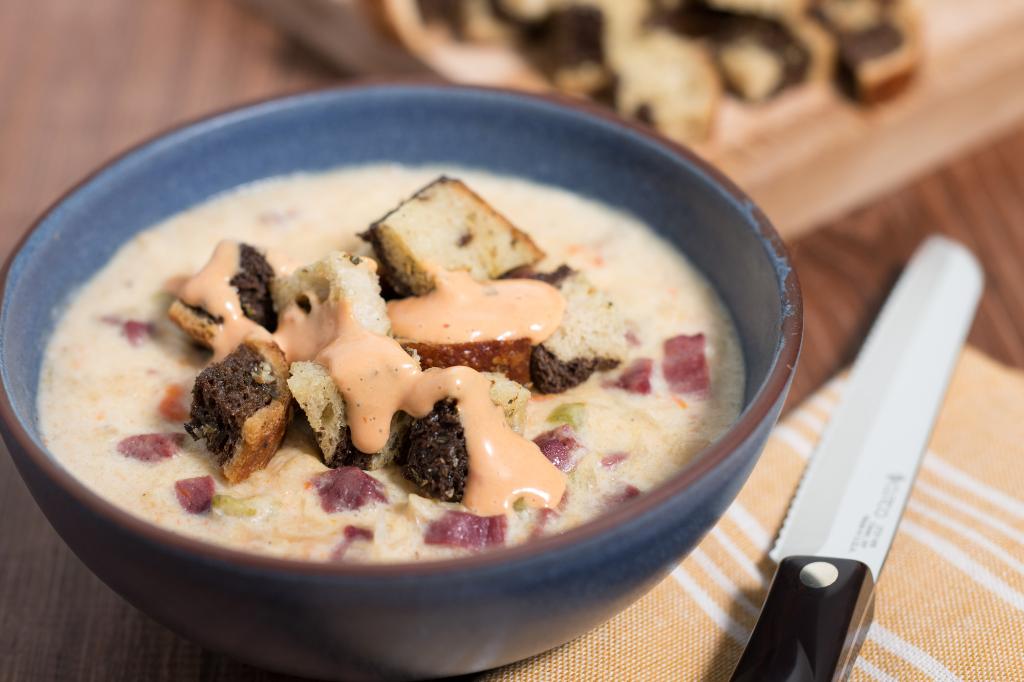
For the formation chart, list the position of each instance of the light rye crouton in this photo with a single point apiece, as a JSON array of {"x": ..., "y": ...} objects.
[
  {"x": 446, "y": 225},
  {"x": 324, "y": 406},
  {"x": 512, "y": 397},
  {"x": 591, "y": 338},
  {"x": 670, "y": 83},
  {"x": 336, "y": 277}
]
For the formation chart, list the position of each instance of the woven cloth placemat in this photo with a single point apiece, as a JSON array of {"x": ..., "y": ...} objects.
[{"x": 948, "y": 606}]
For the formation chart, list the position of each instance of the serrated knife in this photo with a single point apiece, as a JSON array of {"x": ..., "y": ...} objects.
[{"x": 842, "y": 520}]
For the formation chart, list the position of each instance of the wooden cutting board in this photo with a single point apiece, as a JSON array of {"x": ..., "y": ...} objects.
[{"x": 805, "y": 157}]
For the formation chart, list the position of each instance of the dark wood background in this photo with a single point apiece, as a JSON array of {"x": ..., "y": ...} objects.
[{"x": 82, "y": 80}]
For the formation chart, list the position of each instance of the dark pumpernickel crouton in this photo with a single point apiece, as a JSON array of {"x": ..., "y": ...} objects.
[
  {"x": 575, "y": 49},
  {"x": 347, "y": 455},
  {"x": 253, "y": 284},
  {"x": 879, "y": 45},
  {"x": 448, "y": 12},
  {"x": 576, "y": 33},
  {"x": 554, "y": 278},
  {"x": 436, "y": 458},
  {"x": 240, "y": 408},
  {"x": 551, "y": 375}
]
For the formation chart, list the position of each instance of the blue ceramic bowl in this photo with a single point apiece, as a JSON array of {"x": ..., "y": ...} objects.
[{"x": 425, "y": 619}]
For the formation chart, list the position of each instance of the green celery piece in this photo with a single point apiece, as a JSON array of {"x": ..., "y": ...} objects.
[
  {"x": 233, "y": 506},
  {"x": 568, "y": 413}
]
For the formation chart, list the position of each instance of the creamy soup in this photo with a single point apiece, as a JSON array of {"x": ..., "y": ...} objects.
[{"x": 116, "y": 369}]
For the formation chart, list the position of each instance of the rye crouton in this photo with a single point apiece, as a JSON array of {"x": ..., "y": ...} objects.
[
  {"x": 478, "y": 21},
  {"x": 253, "y": 282},
  {"x": 767, "y": 8},
  {"x": 759, "y": 58},
  {"x": 336, "y": 277},
  {"x": 670, "y": 83},
  {"x": 241, "y": 407},
  {"x": 436, "y": 458},
  {"x": 510, "y": 357},
  {"x": 879, "y": 45},
  {"x": 576, "y": 49},
  {"x": 446, "y": 225},
  {"x": 591, "y": 338},
  {"x": 324, "y": 407}
]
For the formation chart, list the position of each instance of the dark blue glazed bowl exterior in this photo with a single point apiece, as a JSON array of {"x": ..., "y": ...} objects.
[{"x": 425, "y": 619}]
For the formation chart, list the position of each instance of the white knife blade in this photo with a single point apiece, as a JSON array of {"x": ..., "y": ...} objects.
[{"x": 852, "y": 495}]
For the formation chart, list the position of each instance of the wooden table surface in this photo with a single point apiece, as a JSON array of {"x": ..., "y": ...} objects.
[{"x": 80, "y": 81}]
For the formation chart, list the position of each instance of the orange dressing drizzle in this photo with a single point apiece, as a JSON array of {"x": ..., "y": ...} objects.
[
  {"x": 211, "y": 290},
  {"x": 461, "y": 310},
  {"x": 378, "y": 378},
  {"x": 302, "y": 335}
]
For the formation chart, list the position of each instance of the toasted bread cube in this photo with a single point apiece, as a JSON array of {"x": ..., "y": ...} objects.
[
  {"x": 324, "y": 406},
  {"x": 581, "y": 39},
  {"x": 446, "y": 225},
  {"x": 592, "y": 337},
  {"x": 477, "y": 21},
  {"x": 335, "y": 277},
  {"x": 510, "y": 357},
  {"x": 879, "y": 45},
  {"x": 201, "y": 326},
  {"x": 670, "y": 83},
  {"x": 769, "y": 8},
  {"x": 252, "y": 281},
  {"x": 760, "y": 58},
  {"x": 241, "y": 407},
  {"x": 525, "y": 11},
  {"x": 437, "y": 458},
  {"x": 512, "y": 397}
]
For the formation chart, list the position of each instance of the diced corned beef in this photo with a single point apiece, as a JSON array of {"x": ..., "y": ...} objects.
[
  {"x": 135, "y": 331},
  {"x": 636, "y": 378},
  {"x": 461, "y": 529},
  {"x": 685, "y": 366},
  {"x": 614, "y": 459},
  {"x": 347, "y": 488},
  {"x": 195, "y": 494},
  {"x": 172, "y": 406},
  {"x": 626, "y": 493},
  {"x": 151, "y": 447},
  {"x": 352, "y": 534},
  {"x": 357, "y": 533},
  {"x": 559, "y": 445}
]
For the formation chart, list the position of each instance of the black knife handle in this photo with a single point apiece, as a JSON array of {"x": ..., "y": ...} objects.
[{"x": 812, "y": 624}]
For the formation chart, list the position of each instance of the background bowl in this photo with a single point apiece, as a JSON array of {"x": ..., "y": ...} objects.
[{"x": 406, "y": 620}]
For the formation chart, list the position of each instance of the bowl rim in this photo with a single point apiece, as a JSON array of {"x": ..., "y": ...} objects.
[{"x": 708, "y": 459}]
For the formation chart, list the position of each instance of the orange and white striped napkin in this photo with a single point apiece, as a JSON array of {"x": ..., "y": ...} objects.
[{"x": 950, "y": 601}]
